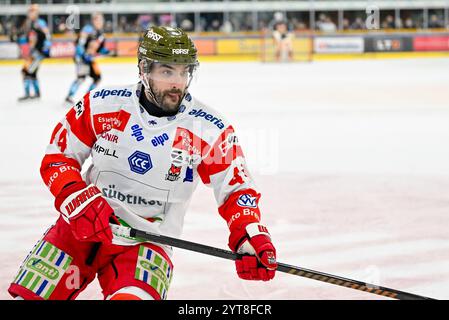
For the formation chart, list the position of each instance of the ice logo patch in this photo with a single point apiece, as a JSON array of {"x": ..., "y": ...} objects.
[
  {"x": 247, "y": 201},
  {"x": 140, "y": 162}
]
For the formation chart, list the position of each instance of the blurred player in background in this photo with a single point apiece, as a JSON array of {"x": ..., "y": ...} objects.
[
  {"x": 283, "y": 38},
  {"x": 90, "y": 42},
  {"x": 35, "y": 33}
]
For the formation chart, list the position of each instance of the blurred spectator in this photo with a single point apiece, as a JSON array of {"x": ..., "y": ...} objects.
[
  {"x": 227, "y": 27},
  {"x": 358, "y": 24},
  {"x": 144, "y": 21},
  {"x": 388, "y": 23},
  {"x": 326, "y": 24},
  {"x": 301, "y": 26},
  {"x": 61, "y": 28},
  {"x": 408, "y": 23},
  {"x": 214, "y": 26},
  {"x": 187, "y": 25},
  {"x": 122, "y": 24},
  {"x": 435, "y": 22},
  {"x": 108, "y": 27},
  {"x": 166, "y": 20},
  {"x": 345, "y": 25}
]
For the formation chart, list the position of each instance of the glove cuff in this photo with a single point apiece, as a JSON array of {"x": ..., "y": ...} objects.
[
  {"x": 255, "y": 229},
  {"x": 73, "y": 200},
  {"x": 243, "y": 233}
]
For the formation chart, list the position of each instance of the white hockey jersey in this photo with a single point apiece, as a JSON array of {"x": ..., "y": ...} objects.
[{"x": 148, "y": 167}]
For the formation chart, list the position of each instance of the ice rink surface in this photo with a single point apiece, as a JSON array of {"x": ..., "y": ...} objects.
[{"x": 351, "y": 158}]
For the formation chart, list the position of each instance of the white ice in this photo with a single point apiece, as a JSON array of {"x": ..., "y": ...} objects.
[{"x": 351, "y": 158}]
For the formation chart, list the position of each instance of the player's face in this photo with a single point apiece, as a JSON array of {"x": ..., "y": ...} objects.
[
  {"x": 33, "y": 13},
  {"x": 98, "y": 22},
  {"x": 281, "y": 27},
  {"x": 169, "y": 83}
]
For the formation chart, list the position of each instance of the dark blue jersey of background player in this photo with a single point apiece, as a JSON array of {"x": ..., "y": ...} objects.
[
  {"x": 90, "y": 43},
  {"x": 35, "y": 33},
  {"x": 39, "y": 31},
  {"x": 84, "y": 48}
]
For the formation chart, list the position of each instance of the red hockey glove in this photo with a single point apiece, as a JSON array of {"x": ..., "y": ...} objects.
[
  {"x": 259, "y": 260},
  {"x": 86, "y": 211}
]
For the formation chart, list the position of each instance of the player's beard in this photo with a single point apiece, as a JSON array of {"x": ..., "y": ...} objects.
[{"x": 168, "y": 100}]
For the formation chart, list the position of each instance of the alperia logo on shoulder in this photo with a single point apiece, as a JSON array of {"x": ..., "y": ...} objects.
[
  {"x": 207, "y": 116},
  {"x": 105, "y": 93}
]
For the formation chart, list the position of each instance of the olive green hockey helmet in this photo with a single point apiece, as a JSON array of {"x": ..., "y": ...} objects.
[{"x": 167, "y": 45}]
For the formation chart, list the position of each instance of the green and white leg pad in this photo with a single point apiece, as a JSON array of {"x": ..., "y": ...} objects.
[{"x": 43, "y": 268}]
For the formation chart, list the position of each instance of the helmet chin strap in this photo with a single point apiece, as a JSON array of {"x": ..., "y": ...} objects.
[{"x": 149, "y": 90}]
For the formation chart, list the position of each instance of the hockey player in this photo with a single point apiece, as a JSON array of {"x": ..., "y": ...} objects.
[
  {"x": 35, "y": 32},
  {"x": 90, "y": 42},
  {"x": 150, "y": 144}
]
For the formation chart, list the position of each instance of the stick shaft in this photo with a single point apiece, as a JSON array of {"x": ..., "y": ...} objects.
[{"x": 282, "y": 267}]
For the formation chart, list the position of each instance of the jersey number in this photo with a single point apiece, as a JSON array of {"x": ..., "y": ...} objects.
[{"x": 62, "y": 141}]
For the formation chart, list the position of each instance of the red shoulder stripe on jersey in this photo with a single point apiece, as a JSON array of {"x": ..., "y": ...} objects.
[
  {"x": 80, "y": 122},
  {"x": 220, "y": 157},
  {"x": 241, "y": 208},
  {"x": 55, "y": 131},
  {"x": 57, "y": 171},
  {"x": 189, "y": 142}
]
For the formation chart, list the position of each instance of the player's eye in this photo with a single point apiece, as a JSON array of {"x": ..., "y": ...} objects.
[{"x": 167, "y": 72}]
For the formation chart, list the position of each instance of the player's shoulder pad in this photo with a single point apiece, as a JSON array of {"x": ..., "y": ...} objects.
[
  {"x": 213, "y": 123},
  {"x": 111, "y": 98},
  {"x": 88, "y": 28},
  {"x": 41, "y": 23}
]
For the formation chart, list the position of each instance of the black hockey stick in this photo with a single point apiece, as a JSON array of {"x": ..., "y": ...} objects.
[{"x": 282, "y": 267}]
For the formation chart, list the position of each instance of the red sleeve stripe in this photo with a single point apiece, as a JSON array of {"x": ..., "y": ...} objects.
[
  {"x": 55, "y": 132},
  {"x": 237, "y": 216},
  {"x": 58, "y": 170},
  {"x": 80, "y": 122}
]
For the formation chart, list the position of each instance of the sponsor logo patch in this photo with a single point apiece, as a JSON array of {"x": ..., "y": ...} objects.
[
  {"x": 105, "y": 93},
  {"x": 105, "y": 151},
  {"x": 111, "y": 120},
  {"x": 140, "y": 162},
  {"x": 159, "y": 140},
  {"x": 173, "y": 173},
  {"x": 207, "y": 116},
  {"x": 79, "y": 109},
  {"x": 109, "y": 137},
  {"x": 180, "y": 51},
  {"x": 228, "y": 143},
  {"x": 153, "y": 35},
  {"x": 112, "y": 193},
  {"x": 247, "y": 201},
  {"x": 137, "y": 132}
]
